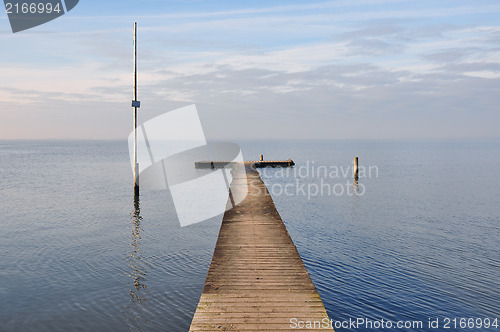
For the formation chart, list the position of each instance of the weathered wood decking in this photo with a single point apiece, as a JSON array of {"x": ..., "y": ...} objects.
[
  {"x": 257, "y": 164},
  {"x": 257, "y": 280}
]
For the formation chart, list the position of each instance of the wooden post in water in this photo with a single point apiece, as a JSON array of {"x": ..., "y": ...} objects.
[
  {"x": 261, "y": 157},
  {"x": 356, "y": 168},
  {"x": 135, "y": 104}
]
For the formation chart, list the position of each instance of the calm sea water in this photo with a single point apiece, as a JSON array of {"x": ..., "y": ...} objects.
[{"x": 415, "y": 239}]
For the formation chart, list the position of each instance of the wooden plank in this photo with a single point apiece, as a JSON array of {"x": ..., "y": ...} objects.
[{"x": 257, "y": 280}]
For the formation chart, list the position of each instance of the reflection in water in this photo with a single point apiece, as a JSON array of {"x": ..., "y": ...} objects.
[
  {"x": 139, "y": 291},
  {"x": 356, "y": 185}
]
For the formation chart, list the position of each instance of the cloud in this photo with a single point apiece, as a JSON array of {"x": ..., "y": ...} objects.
[
  {"x": 304, "y": 71},
  {"x": 80, "y": 83}
]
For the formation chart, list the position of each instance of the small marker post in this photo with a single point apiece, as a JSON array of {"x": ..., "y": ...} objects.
[{"x": 356, "y": 168}]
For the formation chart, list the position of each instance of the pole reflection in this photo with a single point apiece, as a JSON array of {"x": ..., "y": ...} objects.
[
  {"x": 356, "y": 185},
  {"x": 137, "y": 307}
]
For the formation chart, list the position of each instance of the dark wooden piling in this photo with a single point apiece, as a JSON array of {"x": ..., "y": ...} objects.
[
  {"x": 257, "y": 280},
  {"x": 356, "y": 168}
]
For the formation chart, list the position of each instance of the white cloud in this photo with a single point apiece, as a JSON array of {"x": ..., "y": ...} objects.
[
  {"x": 65, "y": 82},
  {"x": 488, "y": 74},
  {"x": 317, "y": 57}
]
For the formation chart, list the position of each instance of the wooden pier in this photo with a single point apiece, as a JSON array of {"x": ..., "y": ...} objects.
[
  {"x": 257, "y": 164},
  {"x": 257, "y": 280}
]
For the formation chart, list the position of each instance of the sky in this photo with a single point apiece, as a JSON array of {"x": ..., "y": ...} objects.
[{"x": 365, "y": 69}]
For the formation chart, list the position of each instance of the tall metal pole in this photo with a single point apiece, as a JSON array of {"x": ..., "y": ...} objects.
[{"x": 135, "y": 104}]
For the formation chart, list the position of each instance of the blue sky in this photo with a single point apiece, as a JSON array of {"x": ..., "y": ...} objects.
[{"x": 369, "y": 69}]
